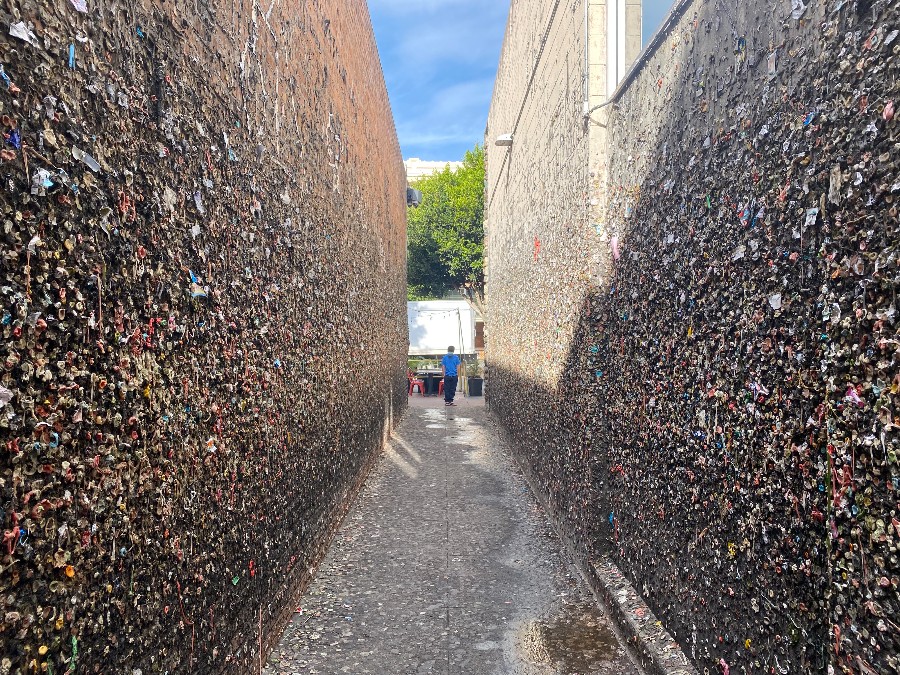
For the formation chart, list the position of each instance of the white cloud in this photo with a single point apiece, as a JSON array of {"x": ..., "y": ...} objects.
[
  {"x": 463, "y": 97},
  {"x": 415, "y": 136},
  {"x": 433, "y": 35},
  {"x": 415, "y": 8},
  {"x": 440, "y": 58},
  {"x": 452, "y": 115}
]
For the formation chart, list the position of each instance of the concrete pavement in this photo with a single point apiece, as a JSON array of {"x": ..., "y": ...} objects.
[{"x": 446, "y": 564}]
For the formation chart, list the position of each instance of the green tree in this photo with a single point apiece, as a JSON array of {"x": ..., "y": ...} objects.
[{"x": 446, "y": 233}]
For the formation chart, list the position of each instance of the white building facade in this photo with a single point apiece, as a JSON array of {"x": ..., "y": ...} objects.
[{"x": 417, "y": 168}]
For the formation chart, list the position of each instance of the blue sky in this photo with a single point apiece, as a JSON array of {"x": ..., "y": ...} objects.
[{"x": 440, "y": 59}]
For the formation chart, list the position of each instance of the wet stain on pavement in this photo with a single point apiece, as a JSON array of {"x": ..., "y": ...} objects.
[{"x": 578, "y": 640}]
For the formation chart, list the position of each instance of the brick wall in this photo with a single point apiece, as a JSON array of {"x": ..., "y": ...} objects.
[
  {"x": 724, "y": 422},
  {"x": 203, "y": 314}
]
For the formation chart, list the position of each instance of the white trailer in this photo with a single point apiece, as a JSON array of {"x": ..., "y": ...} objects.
[{"x": 434, "y": 325}]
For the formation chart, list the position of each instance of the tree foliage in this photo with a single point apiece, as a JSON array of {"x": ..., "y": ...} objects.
[{"x": 446, "y": 233}]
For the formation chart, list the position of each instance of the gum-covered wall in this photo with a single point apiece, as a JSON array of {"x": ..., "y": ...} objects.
[
  {"x": 725, "y": 424},
  {"x": 202, "y": 298}
]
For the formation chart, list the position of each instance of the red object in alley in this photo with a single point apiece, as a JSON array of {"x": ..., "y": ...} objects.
[{"x": 413, "y": 382}]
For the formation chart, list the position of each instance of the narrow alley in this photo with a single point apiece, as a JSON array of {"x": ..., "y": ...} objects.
[
  {"x": 446, "y": 564},
  {"x": 653, "y": 246}
]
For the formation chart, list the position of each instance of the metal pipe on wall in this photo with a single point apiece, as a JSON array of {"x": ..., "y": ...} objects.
[
  {"x": 621, "y": 56},
  {"x": 587, "y": 59}
]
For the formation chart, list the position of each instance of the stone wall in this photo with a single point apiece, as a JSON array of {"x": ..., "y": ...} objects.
[
  {"x": 203, "y": 316},
  {"x": 725, "y": 426}
]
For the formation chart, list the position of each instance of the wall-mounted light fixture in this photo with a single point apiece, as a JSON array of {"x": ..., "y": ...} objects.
[
  {"x": 413, "y": 197},
  {"x": 504, "y": 140}
]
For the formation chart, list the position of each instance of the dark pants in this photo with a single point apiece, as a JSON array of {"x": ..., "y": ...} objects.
[{"x": 450, "y": 388}]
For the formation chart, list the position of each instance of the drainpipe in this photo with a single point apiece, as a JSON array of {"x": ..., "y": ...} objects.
[
  {"x": 587, "y": 61},
  {"x": 588, "y": 110}
]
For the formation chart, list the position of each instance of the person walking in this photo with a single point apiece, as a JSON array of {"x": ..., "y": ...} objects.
[{"x": 450, "y": 365}]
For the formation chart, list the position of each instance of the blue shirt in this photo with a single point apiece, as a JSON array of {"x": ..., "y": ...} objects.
[{"x": 451, "y": 364}]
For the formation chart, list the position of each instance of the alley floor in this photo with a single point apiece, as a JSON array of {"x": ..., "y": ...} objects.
[{"x": 446, "y": 564}]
